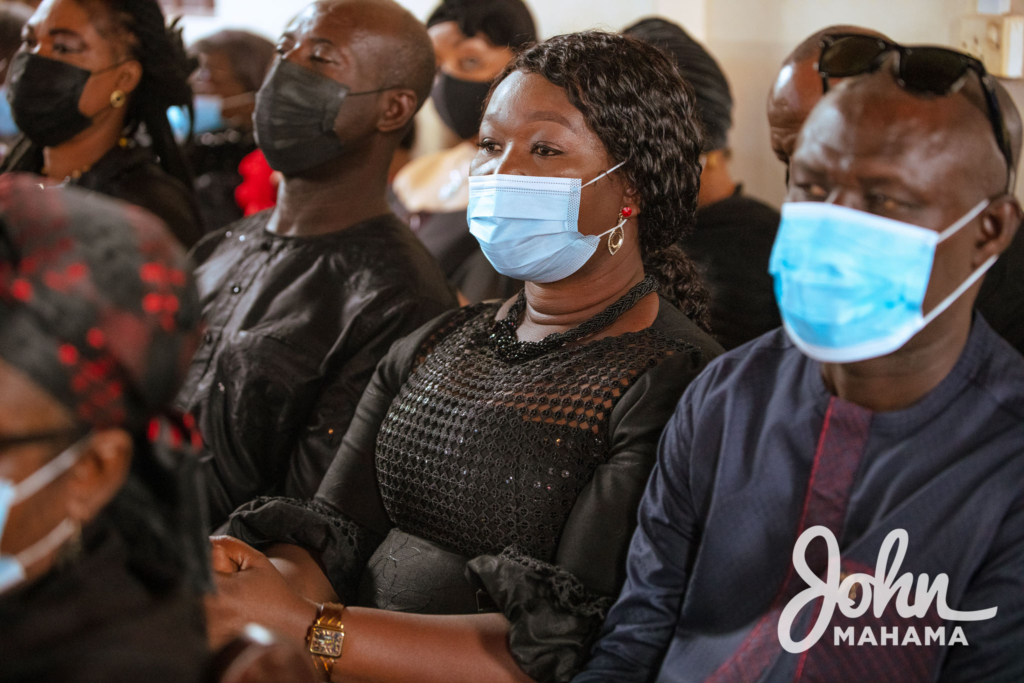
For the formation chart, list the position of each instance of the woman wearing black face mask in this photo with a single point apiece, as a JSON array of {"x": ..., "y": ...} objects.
[
  {"x": 92, "y": 82},
  {"x": 473, "y": 41}
]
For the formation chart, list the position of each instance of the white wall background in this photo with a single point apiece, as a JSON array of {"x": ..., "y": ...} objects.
[
  {"x": 553, "y": 16},
  {"x": 750, "y": 38}
]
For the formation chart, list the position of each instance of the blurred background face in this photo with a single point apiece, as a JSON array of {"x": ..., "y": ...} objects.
[
  {"x": 467, "y": 58},
  {"x": 216, "y": 76}
]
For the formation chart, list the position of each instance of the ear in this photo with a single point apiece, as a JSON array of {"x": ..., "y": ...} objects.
[
  {"x": 399, "y": 108},
  {"x": 99, "y": 474},
  {"x": 999, "y": 225},
  {"x": 129, "y": 77}
]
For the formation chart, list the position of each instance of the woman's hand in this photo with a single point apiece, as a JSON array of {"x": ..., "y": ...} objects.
[{"x": 251, "y": 590}]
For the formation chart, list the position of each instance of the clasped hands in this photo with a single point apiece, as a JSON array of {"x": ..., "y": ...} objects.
[{"x": 250, "y": 589}]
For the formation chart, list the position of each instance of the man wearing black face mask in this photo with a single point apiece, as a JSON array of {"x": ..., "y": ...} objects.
[
  {"x": 473, "y": 41},
  {"x": 303, "y": 300}
]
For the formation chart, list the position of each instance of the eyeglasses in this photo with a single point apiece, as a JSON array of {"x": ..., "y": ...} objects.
[{"x": 929, "y": 70}]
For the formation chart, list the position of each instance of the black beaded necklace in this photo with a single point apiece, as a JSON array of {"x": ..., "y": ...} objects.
[{"x": 503, "y": 335}]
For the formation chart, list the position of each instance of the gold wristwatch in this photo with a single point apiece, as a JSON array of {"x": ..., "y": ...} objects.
[{"x": 326, "y": 636}]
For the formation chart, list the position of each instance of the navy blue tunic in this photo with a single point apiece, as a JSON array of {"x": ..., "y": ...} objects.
[{"x": 757, "y": 452}]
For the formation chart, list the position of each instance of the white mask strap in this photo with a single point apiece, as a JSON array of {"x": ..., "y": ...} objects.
[
  {"x": 608, "y": 232},
  {"x": 47, "y": 474},
  {"x": 47, "y": 544},
  {"x": 971, "y": 215},
  {"x": 609, "y": 171},
  {"x": 958, "y": 292}
]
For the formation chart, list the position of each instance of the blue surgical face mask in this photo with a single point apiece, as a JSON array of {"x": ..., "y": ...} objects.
[
  {"x": 209, "y": 116},
  {"x": 8, "y": 129},
  {"x": 12, "y": 567},
  {"x": 851, "y": 285},
  {"x": 527, "y": 225}
]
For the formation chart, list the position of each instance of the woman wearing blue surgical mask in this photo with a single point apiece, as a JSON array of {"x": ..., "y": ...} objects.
[
  {"x": 232, "y": 66},
  {"x": 477, "y": 516},
  {"x": 89, "y": 90},
  {"x": 102, "y": 554}
]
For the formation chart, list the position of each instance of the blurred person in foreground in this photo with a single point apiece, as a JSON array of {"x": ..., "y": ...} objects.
[
  {"x": 89, "y": 90},
  {"x": 303, "y": 300},
  {"x": 876, "y": 441},
  {"x": 102, "y": 551},
  {"x": 473, "y": 41},
  {"x": 232, "y": 67},
  {"x": 732, "y": 240}
]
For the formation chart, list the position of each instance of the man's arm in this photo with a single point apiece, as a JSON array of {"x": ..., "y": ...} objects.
[{"x": 640, "y": 626}]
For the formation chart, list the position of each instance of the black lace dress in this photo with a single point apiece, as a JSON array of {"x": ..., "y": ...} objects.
[{"x": 481, "y": 474}]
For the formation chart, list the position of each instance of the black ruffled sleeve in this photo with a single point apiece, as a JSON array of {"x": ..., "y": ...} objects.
[
  {"x": 346, "y": 520},
  {"x": 555, "y": 619},
  {"x": 556, "y": 611},
  {"x": 341, "y": 546}
]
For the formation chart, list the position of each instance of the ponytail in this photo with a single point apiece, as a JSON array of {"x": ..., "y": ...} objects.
[{"x": 680, "y": 282}]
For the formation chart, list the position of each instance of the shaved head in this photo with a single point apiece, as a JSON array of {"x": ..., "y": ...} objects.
[
  {"x": 797, "y": 89},
  {"x": 389, "y": 43}
]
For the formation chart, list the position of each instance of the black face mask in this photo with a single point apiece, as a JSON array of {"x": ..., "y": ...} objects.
[
  {"x": 296, "y": 111},
  {"x": 44, "y": 95},
  {"x": 460, "y": 103}
]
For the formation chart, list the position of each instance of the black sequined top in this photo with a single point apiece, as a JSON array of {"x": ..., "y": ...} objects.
[{"x": 463, "y": 471}]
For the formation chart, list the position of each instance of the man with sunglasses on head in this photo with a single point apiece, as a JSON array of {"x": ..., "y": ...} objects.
[
  {"x": 809, "y": 480},
  {"x": 798, "y": 89}
]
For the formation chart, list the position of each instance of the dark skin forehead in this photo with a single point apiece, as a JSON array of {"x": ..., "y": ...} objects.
[
  {"x": 797, "y": 89},
  {"x": 870, "y": 135},
  {"x": 351, "y": 39}
]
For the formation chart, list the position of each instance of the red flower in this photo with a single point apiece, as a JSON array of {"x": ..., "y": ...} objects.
[{"x": 257, "y": 192}]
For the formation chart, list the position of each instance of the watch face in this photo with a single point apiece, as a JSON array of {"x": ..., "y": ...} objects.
[{"x": 326, "y": 642}]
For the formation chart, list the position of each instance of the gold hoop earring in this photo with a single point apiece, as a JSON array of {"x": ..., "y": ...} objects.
[
  {"x": 117, "y": 99},
  {"x": 618, "y": 236}
]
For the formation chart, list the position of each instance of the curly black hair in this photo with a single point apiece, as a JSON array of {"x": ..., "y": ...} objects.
[
  {"x": 635, "y": 101},
  {"x": 166, "y": 68}
]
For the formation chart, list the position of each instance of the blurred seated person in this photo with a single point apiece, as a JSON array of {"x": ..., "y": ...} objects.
[
  {"x": 474, "y": 523},
  {"x": 732, "y": 240},
  {"x": 798, "y": 89},
  {"x": 473, "y": 41},
  {"x": 876, "y": 441},
  {"x": 103, "y": 558},
  {"x": 232, "y": 66},
  {"x": 303, "y": 300},
  {"x": 13, "y": 16},
  {"x": 92, "y": 79}
]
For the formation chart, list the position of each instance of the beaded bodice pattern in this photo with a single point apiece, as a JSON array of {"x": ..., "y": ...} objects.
[{"x": 478, "y": 453}]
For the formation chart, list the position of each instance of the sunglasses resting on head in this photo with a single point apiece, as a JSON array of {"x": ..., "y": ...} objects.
[{"x": 926, "y": 70}]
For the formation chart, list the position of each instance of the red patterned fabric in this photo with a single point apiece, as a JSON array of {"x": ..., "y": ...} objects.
[
  {"x": 840, "y": 447},
  {"x": 97, "y": 305}
]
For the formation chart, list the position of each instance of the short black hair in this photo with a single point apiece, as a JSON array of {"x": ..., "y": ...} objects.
[
  {"x": 635, "y": 101},
  {"x": 701, "y": 71},
  {"x": 505, "y": 23}
]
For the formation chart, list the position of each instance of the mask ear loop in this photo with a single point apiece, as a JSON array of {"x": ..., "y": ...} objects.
[
  {"x": 975, "y": 276},
  {"x": 970, "y": 216},
  {"x": 47, "y": 474},
  {"x": 609, "y": 171}
]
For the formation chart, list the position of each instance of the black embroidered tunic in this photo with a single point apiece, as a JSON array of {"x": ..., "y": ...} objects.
[{"x": 472, "y": 482}]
